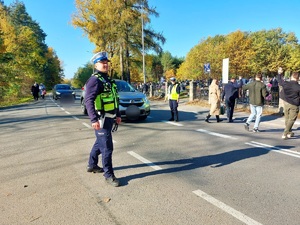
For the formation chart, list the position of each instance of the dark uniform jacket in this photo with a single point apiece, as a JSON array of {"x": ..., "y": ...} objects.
[
  {"x": 230, "y": 91},
  {"x": 291, "y": 90},
  {"x": 257, "y": 92}
]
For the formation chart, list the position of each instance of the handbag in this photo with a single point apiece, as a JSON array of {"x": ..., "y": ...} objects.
[{"x": 222, "y": 109}]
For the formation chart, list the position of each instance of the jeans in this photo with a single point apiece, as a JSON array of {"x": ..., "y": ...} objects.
[{"x": 256, "y": 110}]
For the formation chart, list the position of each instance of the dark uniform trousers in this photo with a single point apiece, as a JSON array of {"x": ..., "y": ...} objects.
[
  {"x": 103, "y": 145},
  {"x": 230, "y": 108},
  {"x": 174, "y": 108}
]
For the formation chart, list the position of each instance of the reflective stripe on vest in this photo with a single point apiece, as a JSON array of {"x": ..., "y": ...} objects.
[{"x": 174, "y": 95}]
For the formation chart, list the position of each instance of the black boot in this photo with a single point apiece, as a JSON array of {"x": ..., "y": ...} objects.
[
  {"x": 207, "y": 118},
  {"x": 172, "y": 118},
  {"x": 218, "y": 119},
  {"x": 176, "y": 118}
]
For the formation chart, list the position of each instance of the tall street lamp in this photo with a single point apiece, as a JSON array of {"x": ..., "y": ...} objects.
[{"x": 143, "y": 47}]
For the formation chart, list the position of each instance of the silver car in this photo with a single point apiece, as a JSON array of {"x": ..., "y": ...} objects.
[{"x": 133, "y": 104}]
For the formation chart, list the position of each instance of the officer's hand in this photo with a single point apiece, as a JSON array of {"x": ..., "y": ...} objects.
[
  {"x": 118, "y": 120},
  {"x": 96, "y": 125}
]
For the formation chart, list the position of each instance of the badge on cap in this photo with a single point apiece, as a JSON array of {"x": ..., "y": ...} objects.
[{"x": 100, "y": 56}]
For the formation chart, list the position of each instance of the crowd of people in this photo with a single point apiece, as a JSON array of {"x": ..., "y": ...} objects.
[{"x": 257, "y": 91}]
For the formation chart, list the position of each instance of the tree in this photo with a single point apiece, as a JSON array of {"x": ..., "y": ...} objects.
[
  {"x": 271, "y": 49},
  {"x": 82, "y": 75},
  {"x": 115, "y": 26},
  {"x": 238, "y": 48}
]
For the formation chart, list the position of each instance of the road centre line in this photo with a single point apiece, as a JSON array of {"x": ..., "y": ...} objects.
[
  {"x": 216, "y": 134},
  {"x": 146, "y": 161},
  {"x": 274, "y": 149},
  {"x": 240, "y": 216},
  {"x": 67, "y": 112}
]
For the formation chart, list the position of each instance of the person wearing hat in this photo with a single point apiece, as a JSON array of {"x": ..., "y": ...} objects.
[
  {"x": 173, "y": 96},
  {"x": 102, "y": 104},
  {"x": 230, "y": 93}
]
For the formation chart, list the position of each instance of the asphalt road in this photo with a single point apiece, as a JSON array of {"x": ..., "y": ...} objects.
[{"x": 188, "y": 172}]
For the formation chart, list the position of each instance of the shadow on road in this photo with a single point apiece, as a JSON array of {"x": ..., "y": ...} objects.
[{"x": 214, "y": 161}]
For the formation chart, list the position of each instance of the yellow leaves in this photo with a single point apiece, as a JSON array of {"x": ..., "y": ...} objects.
[{"x": 170, "y": 73}]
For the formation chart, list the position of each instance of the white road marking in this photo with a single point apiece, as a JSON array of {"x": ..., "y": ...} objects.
[
  {"x": 76, "y": 118},
  {"x": 216, "y": 134},
  {"x": 274, "y": 149},
  {"x": 146, "y": 161},
  {"x": 62, "y": 109},
  {"x": 240, "y": 216},
  {"x": 87, "y": 125},
  {"x": 67, "y": 112},
  {"x": 173, "y": 123}
]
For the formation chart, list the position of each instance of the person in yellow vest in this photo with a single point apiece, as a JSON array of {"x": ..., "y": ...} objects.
[
  {"x": 102, "y": 104},
  {"x": 173, "y": 96}
]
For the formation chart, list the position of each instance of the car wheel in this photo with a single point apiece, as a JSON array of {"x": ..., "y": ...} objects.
[
  {"x": 83, "y": 108},
  {"x": 143, "y": 117}
]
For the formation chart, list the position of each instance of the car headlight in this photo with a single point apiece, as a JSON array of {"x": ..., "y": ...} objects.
[
  {"x": 73, "y": 93},
  {"x": 58, "y": 93},
  {"x": 145, "y": 99}
]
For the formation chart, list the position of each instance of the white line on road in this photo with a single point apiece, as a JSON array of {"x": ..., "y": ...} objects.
[
  {"x": 87, "y": 125},
  {"x": 216, "y": 134},
  {"x": 240, "y": 216},
  {"x": 274, "y": 149},
  {"x": 67, "y": 112},
  {"x": 146, "y": 161},
  {"x": 173, "y": 123},
  {"x": 76, "y": 118}
]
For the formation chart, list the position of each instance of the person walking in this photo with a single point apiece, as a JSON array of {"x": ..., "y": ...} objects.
[
  {"x": 291, "y": 91},
  {"x": 173, "y": 96},
  {"x": 102, "y": 104},
  {"x": 257, "y": 93},
  {"x": 214, "y": 99},
  {"x": 35, "y": 91},
  {"x": 230, "y": 93},
  {"x": 42, "y": 90}
]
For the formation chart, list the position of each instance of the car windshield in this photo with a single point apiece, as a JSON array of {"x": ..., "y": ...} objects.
[
  {"x": 65, "y": 87},
  {"x": 123, "y": 86}
]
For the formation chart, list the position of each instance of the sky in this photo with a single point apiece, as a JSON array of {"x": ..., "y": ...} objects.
[{"x": 183, "y": 23}]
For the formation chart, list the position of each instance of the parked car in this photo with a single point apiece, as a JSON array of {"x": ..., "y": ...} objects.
[
  {"x": 64, "y": 92},
  {"x": 133, "y": 104}
]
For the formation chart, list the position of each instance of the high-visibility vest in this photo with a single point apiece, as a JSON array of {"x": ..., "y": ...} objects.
[
  {"x": 173, "y": 95},
  {"x": 108, "y": 100}
]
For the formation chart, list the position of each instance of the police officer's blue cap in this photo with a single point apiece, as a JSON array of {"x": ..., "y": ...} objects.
[{"x": 100, "y": 56}]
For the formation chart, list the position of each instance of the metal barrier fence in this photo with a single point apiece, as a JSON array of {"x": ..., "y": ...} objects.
[{"x": 201, "y": 93}]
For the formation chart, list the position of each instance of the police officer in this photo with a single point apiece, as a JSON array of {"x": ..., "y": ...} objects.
[
  {"x": 102, "y": 104},
  {"x": 173, "y": 96}
]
